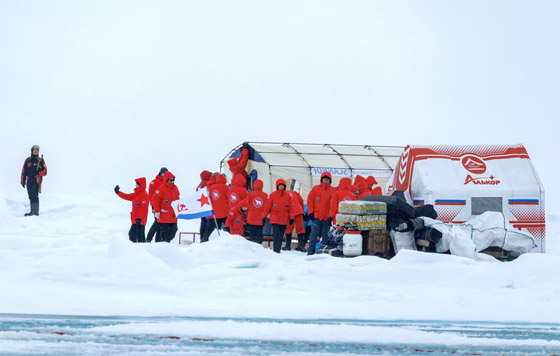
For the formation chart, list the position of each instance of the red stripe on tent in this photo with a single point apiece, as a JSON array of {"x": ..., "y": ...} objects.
[{"x": 421, "y": 157}]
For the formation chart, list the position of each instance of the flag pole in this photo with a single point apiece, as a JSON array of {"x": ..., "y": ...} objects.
[{"x": 216, "y": 223}]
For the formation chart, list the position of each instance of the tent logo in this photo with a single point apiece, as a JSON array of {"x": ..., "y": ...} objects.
[
  {"x": 215, "y": 195},
  {"x": 474, "y": 164},
  {"x": 482, "y": 181}
]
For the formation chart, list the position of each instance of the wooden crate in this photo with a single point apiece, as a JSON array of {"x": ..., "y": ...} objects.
[
  {"x": 496, "y": 252},
  {"x": 379, "y": 243}
]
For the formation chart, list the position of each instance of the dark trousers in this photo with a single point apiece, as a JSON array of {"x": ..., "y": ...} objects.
[
  {"x": 210, "y": 227},
  {"x": 136, "y": 233},
  {"x": 277, "y": 235},
  {"x": 168, "y": 231},
  {"x": 319, "y": 228},
  {"x": 203, "y": 222},
  {"x": 256, "y": 233},
  {"x": 33, "y": 189},
  {"x": 154, "y": 230}
]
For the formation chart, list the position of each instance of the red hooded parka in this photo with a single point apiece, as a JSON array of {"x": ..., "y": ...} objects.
[
  {"x": 343, "y": 193},
  {"x": 319, "y": 199},
  {"x": 278, "y": 205},
  {"x": 257, "y": 200},
  {"x": 204, "y": 177},
  {"x": 237, "y": 217},
  {"x": 364, "y": 191},
  {"x": 219, "y": 196},
  {"x": 165, "y": 194},
  {"x": 238, "y": 165},
  {"x": 296, "y": 204},
  {"x": 139, "y": 200},
  {"x": 238, "y": 192}
]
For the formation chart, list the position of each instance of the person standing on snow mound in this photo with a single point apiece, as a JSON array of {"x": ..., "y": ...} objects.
[
  {"x": 139, "y": 213},
  {"x": 154, "y": 184},
  {"x": 165, "y": 194},
  {"x": 32, "y": 173}
]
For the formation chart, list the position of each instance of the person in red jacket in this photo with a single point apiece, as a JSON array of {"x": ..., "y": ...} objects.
[
  {"x": 279, "y": 208},
  {"x": 32, "y": 173},
  {"x": 318, "y": 206},
  {"x": 295, "y": 221},
  {"x": 166, "y": 194},
  {"x": 237, "y": 217},
  {"x": 371, "y": 181},
  {"x": 154, "y": 184},
  {"x": 363, "y": 189},
  {"x": 257, "y": 200},
  {"x": 343, "y": 193},
  {"x": 238, "y": 165},
  {"x": 218, "y": 195},
  {"x": 139, "y": 213},
  {"x": 204, "y": 179},
  {"x": 238, "y": 192}
]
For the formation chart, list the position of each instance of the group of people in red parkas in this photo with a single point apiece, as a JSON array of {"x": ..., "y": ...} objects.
[
  {"x": 161, "y": 193},
  {"x": 236, "y": 208},
  {"x": 239, "y": 210}
]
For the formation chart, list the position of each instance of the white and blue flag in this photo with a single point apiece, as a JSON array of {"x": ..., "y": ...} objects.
[{"x": 194, "y": 206}]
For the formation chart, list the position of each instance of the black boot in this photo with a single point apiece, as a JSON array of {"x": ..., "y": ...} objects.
[
  {"x": 288, "y": 246},
  {"x": 301, "y": 241},
  {"x": 35, "y": 209},
  {"x": 30, "y": 210}
]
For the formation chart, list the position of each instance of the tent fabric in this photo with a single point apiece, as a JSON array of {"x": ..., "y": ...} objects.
[
  {"x": 465, "y": 181},
  {"x": 301, "y": 165}
]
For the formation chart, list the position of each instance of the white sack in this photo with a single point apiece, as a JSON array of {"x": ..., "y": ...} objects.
[
  {"x": 486, "y": 230},
  {"x": 403, "y": 240}
]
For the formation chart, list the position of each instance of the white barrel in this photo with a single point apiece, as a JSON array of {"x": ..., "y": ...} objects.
[{"x": 352, "y": 243}]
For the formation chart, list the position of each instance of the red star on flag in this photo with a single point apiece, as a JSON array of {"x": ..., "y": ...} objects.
[{"x": 203, "y": 200}]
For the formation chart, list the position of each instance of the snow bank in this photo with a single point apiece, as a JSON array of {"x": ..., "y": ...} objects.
[{"x": 75, "y": 258}]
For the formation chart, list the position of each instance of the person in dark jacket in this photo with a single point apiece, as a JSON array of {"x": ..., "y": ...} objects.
[
  {"x": 154, "y": 184},
  {"x": 166, "y": 194},
  {"x": 279, "y": 207},
  {"x": 139, "y": 213},
  {"x": 32, "y": 173}
]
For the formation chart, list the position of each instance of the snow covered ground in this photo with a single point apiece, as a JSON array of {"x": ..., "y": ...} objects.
[{"x": 75, "y": 259}]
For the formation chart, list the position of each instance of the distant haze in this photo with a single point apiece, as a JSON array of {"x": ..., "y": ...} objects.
[{"x": 114, "y": 90}]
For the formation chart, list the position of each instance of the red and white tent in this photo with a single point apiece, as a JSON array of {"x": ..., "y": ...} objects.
[{"x": 465, "y": 181}]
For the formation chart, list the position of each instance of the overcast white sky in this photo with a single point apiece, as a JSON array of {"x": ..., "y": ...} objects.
[{"x": 113, "y": 90}]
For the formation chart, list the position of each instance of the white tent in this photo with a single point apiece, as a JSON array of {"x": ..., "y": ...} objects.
[
  {"x": 462, "y": 182},
  {"x": 301, "y": 165}
]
